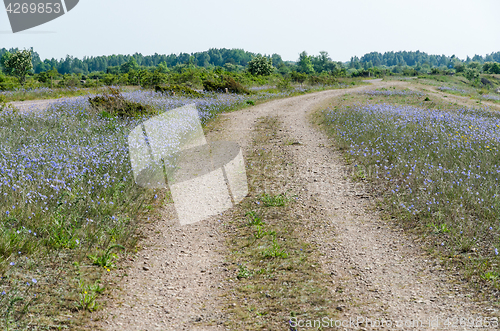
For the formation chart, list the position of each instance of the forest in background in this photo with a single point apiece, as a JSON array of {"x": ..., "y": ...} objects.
[
  {"x": 196, "y": 70},
  {"x": 237, "y": 59}
]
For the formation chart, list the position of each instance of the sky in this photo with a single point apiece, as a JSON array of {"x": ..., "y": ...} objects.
[{"x": 342, "y": 28}]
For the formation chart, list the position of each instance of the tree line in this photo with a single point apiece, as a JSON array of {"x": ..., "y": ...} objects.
[
  {"x": 212, "y": 57},
  {"x": 238, "y": 59}
]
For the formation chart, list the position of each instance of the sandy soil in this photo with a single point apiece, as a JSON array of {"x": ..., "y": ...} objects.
[{"x": 35, "y": 105}]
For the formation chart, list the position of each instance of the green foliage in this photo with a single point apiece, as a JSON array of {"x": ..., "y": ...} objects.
[
  {"x": 88, "y": 296},
  {"x": 261, "y": 233},
  {"x": 305, "y": 65},
  {"x": 61, "y": 233},
  {"x": 19, "y": 65},
  {"x": 129, "y": 66},
  {"x": 4, "y": 63},
  {"x": 227, "y": 83},
  {"x": 105, "y": 260},
  {"x": 472, "y": 74},
  {"x": 115, "y": 104},
  {"x": 162, "y": 67},
  {"x": 260, "y": 66},
  {"x": 253, "y": 218},
  {"x": 243, "y": 272},
  {"x": 275, "y": 250},
  {"x": 8, "y": 83},
  {"x": 323, "y": 79},
  {"x": 298, "y": 77},
  {"x": 284, "y": 84},
  {"x": 279, "y": 200},
  {"x": 3, "y": 102},
  {"x": 492, "y": 68},
  {"x": 178, "y": 90}
]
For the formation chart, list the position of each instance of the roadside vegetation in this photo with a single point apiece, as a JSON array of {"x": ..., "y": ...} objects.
[{"x": 436, "y": 166}]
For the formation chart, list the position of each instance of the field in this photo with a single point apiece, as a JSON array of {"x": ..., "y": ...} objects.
[
  {"x": 70, "y": 209},
  {"x": 436, "y": 166}
]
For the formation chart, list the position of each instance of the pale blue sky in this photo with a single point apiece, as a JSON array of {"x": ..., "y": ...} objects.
[{"x": 342, "y": 28}]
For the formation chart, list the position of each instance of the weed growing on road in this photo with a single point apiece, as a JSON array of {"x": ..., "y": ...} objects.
[{"x": 278, "y": 200}]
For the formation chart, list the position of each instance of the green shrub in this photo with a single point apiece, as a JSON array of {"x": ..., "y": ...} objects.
[
  {"x": 115, "y": 104},
  {"x": 260, "y": 66},
  {"x": 227, "y": 83},
  {"x": 284, "y": 84},
  {"x": 178, "y": 90},
  {"x": 298, "y": 77},
  {"x": 3, "y": 102}
]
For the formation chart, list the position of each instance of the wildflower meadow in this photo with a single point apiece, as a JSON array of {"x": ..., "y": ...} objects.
[
  {"x": 439, "y": 166},
  {"x": 68, "y": 200}
]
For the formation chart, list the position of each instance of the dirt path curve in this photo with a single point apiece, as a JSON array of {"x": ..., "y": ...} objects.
[
  {"x": 175, "y": 282},
  {"x": 38, "y": 105}
]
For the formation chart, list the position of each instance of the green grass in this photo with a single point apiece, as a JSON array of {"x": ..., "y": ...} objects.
[{"x": 278, "y": 200}]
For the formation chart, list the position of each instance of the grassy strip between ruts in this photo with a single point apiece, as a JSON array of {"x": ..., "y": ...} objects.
[
  {"x": 437, "y": 167},
  {"x": 277, "y": 273}
]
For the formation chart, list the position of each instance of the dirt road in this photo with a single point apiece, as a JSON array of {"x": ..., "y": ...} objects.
[
  {"x": 176, "y": 281},
  {"x": 35, "y": 105}
]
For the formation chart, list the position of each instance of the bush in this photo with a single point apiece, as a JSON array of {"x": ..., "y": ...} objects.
[
  {"x": 227, "y": 83},
  {"x": 492, "y": 67},
  {"x": 316, "y": 80},
  {"x": 472, "y": 75},
  {"x": 485, "y": 82},
  {"x": 3, "y": 102},
  {"x": 298, "y": 77},
  {"x": 284, "y": 84},
  {"x": 260, "y": 66},
  {"x": 178, "y": 90},
  {"x": 8, "y": 83},
  {"x": 113, "y": 103}
]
